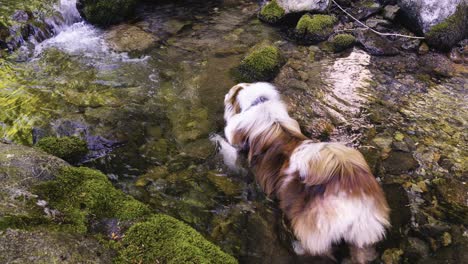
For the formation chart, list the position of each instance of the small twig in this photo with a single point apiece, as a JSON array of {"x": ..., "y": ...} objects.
[{"x": 373, "y": 30}]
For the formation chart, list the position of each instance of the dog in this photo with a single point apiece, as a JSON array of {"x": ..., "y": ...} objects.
[{"x": 326, "y": 190}]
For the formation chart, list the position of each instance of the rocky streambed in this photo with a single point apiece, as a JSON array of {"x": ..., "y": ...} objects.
[{"x": 146, "y": 96}]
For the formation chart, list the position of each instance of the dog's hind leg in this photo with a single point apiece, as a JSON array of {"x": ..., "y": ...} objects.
[{"x": 362, "y": 255}]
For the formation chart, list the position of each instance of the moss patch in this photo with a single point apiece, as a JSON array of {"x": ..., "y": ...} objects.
[
  {"x": 261, "y": 64},
  {"x": 315, "y": 28},
  {"x": 271, "y": 12},
  {"x": 164, "y": 239},
  {"x": 81, "y": 194},
  {"x": 106, "y": 12},
  {"x": 341, "y": 42},
  {"x": 453, "y": 29},
  {"x": 71, "y": 149}
]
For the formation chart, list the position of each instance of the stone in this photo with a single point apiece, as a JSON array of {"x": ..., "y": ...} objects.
[
  {"x": 106, "y": 12},
  {"x": 423, "y": 49},
  {"x": 297, "y": 6},
  {"x": 22, "y": 246},
  {"x": 436, "y": 64},
  {"x": 390, "y": 11},
  {"x": 271, "y": 12},
  {"x": 442, "y": 22},
  {"x": 392, "y": 256},
  {"x": 261, "y": 64},
  {"x": 128, "y": 38},
  {"x": 311, "y": 29},
  {"x": 375, "y": 44},
  {"x": 399, "y": 162}
]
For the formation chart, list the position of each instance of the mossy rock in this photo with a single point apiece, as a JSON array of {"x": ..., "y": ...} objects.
[
  {"x": 71, "y": 149},
  {"x": 261, "y": 64},
  {"x": 448, "y": 33},
  {"x": 271, "y": 13},
  {"x": 82, "y": 194},
  {"x": 314, "y": 28},
  {"x": 341, "y": 42},
  {"x": 164, "y": 239},
  {"x": 22, "y": 246},
  {"x": 106, "y": 12}
]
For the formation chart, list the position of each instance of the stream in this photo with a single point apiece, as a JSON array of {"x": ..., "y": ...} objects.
[{"x": 147, "y": 114}]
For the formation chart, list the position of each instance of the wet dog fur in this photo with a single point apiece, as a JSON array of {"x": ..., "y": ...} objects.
[{"x": 326, "y": 190}]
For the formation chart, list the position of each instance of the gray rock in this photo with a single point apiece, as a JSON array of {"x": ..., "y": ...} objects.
[
  {"x": 295, "y": 6},
  {"x": 426, "y": 13}
]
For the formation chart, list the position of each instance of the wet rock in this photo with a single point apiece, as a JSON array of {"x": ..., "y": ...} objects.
[
  {"x": 411, "y": 45},
  {"x": 341, "y": 42},
  {"x": 399, "y": 162},
  {"x": 20, "y": 16},
  {"x": 296, "y": 6},
  {"x": 199, "y": 149},
  {"x": 365, "y": 9},
  {"x": 312, "y": 29},
  {"x": 416, "y": 249},
  {"x": 423, "y": 49},
  {"x": 106, "y": 12},
  {"x": 21, "y": 246},
  {"x": 375, "y": 44},
  {"x": 459, "y": 54},
  {"x": 392, "y": 256},
  {"x": 437, "y": 64},
  {"x": 128, "y": 38},
  {"x": 453, "y": 199},
  {"x": 390, "y": 11}
]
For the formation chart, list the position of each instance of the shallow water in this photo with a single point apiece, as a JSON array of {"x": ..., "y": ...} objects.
[{"x": 149, "y": 115}]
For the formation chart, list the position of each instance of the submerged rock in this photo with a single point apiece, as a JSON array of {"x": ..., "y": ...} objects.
[
  {"x": 399, "y": 162},
  {"x": 127, "y": 38}
]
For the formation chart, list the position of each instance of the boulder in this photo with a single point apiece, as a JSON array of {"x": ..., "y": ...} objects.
[
  {"x": 128, "y": 38},
  {"x": 295, "y": 6},
  {"x": 444, "y": 23},
  {"x": 106, "y": 12},
  {"x": 261, "y": 64}
]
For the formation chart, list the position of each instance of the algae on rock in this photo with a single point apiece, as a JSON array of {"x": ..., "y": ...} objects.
[
  {"x": 71, "y": 149},
  {"x": 314, "y": 28},
  {"x": 341, "y": 42},
  {"x": 164, "y": 239},
  {"x": 271, "y": 12},
  {"x": 261, "y": 64}
]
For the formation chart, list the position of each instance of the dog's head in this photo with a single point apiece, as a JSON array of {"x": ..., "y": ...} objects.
[{"x": 244, "y": 95}]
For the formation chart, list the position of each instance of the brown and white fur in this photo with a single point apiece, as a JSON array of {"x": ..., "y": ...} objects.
[{"x": 326, "y": 190}]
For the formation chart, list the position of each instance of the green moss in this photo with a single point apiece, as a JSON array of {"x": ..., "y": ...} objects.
[
  {"x": 446, "y": 34},
  {"x": 315, "y": 24},
  {"x": 71, "y": 149},
  {"x": 81, "y": 194},
  {"x": 341, "y": 42},
  {"x": 262, "y": 64},
  {"x": 271, "y": 12},
  {"x": 164, "y": 239},
  {"x": 106, "y": 12}
]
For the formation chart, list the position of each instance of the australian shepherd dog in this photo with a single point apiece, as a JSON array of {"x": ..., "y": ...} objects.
[{"x": 326, "y": 190}]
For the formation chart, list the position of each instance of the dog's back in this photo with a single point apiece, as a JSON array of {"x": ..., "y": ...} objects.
[{"x": 344, "y": 200}]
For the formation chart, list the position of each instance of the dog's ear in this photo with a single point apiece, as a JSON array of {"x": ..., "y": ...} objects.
[{"x": 231, "y": 104}]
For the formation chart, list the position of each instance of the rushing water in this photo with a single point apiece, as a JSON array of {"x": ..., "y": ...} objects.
[{"x": 148, "y": 115}]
